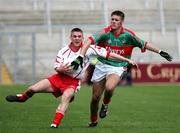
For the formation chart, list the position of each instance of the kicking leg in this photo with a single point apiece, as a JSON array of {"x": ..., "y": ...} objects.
[{"x": 41, "y": 86}]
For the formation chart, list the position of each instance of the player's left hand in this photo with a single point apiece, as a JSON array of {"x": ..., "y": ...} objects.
[
  {"x": 165, "y": 55},
  {"x": 78, "y": 61}
]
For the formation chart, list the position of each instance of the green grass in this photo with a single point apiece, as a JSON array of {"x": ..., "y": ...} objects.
[{"x": 137, "y": 109}]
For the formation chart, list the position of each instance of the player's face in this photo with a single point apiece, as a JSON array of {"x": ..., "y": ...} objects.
[
  {"x": 116, "y": 22},
  {"x": 76, "y": 38}
]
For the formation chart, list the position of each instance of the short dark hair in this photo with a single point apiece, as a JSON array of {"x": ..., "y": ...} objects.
[
  {"x": 118, "y": 13},
  {"x": 76, "y": 30}
]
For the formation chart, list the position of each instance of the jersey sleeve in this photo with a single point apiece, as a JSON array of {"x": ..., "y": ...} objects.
[
  {"x": 59, "y": 59},
  {"x": 100, "y": 35},
  {"x": 97, "y": 37},
  {"x": 97, "y": 51},
  {"x": 139, "y": 43}
]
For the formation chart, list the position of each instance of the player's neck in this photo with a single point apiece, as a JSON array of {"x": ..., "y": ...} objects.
[
  {"x": 118, "y": 31},
  {"x": 74, "y": 48}
]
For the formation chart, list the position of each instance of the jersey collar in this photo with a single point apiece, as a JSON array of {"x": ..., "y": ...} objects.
[
  {"x": 121, "y": 31},
  {"x": 74, "y": 49}
]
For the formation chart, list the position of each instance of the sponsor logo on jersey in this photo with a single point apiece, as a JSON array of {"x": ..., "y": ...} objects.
[{"x": 117, "y": 51}]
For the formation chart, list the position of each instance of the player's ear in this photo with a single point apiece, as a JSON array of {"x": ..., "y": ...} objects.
[{"x": 70, "y": 37}]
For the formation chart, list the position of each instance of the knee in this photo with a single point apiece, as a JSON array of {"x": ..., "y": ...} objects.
[
  {"x": 109, "y": 88},
  {"x": 67, "y": 97}
]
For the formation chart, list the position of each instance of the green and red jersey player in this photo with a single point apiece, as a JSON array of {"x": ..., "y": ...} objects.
[
  {"x": 121, "y": 44},
  {"x": 107, "y": 73}
]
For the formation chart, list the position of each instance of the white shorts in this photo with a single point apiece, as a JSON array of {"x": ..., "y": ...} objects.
[{"x": 102, "y": 70}]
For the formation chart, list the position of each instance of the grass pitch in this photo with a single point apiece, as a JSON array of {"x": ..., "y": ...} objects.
[{"x": 136, "y": 109}]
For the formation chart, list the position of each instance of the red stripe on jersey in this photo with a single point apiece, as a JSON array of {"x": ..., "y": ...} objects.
[
  {"x": 108, "y": 54},
  {"x": 69, "y": 53},
  {"x": 57, "y": 60},
  {"x": 130, "y": 31},
  {"x": 144, "y": 48},
  {"x": 92, "y": 40},
  {"x": 65, "y": 52},
  {"x": 69, "y": 49},
  {"x": 95, "y": 49},
  {"x": 107, "y": 29}
]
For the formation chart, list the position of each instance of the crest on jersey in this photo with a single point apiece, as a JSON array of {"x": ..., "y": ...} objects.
[
  {"x": 109, "y": 41},
  {"x": 123, "y": 41}
]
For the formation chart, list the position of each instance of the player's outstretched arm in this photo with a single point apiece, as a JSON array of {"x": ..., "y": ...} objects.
[
  {"x": 79, "y": 60},
  {"x": 116, "y": 56},
  {"x": 156, "y": 50}
]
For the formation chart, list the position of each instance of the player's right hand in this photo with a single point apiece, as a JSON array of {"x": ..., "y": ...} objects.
[
  {"x": 165, "y": 55},
  {"x": 78, "y": 61},
  {"x": 65, "y": 68},
  {"x": 133, "y": 64}
]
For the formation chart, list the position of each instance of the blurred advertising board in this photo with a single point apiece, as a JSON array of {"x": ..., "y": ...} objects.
[{"x": 156, "y": 73}]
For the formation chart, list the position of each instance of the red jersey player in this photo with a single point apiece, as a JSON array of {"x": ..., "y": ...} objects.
[{"x": 66, "y": 81}]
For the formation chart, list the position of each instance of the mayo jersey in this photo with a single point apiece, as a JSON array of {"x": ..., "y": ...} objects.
[
  {"x": 121, "y": 44},
  {"x": 67, "y": 55}
]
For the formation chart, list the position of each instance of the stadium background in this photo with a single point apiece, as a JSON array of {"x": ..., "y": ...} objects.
[{"x": 32, "y": 31}]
